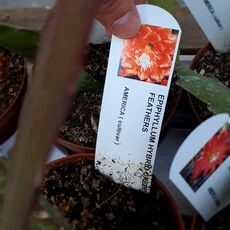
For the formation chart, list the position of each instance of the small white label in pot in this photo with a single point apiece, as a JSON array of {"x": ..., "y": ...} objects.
[
  {"x": 137, "y": 83},
  {"x": 213, "y": 18},
  {"x": 201, "y": 167}
]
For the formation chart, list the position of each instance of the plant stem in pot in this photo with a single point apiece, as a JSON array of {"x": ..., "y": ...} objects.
[{"x": 58, "y": 61}]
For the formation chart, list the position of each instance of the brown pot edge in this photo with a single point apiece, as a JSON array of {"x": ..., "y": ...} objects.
[
  {"x": 75, "y": 157},
  {"x": 20, "y": 92},
  {"x": 9, "y": 117},
  {"x": 74, "y": 148},
  {"x": 77, "y": 148}
]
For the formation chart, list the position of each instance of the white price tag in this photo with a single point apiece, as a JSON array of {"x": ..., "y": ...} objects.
[
  {"x": 213, "y": 18},
  {"x": 201, "y": 167},
  {"x": 138, "y": 78}
]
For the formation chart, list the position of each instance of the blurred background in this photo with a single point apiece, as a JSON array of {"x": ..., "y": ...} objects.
[
  {"x": 25, "y": 3},
  {"x": 32, "y": 3}
]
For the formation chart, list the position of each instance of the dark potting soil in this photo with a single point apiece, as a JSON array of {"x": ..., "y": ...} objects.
[
  {"x": 212, "y": 64},
  {"x": 220, "y": 221},
  {"x": 96, "y": 61},
  {"x": 80, "y": 127},
  {"x": 90, "y": 200},
  {"x": 174, "y": 93},
  {"x": 11, "y": 77}
]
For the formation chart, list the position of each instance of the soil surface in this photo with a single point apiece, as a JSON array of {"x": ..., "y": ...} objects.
[
  {"x": 174, "y": 93},
  {"x": 92, "y": 201},
  {"x": 80, "y": 127},
  {"x": 221, "y": 221},
  {"x": 96, "y": 61},
  {"x": 212, "y": 64},
  {"x": 11, "y": 77}
]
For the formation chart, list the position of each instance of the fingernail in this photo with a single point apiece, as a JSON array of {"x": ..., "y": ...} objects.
[{"x": 128, "y": 25}]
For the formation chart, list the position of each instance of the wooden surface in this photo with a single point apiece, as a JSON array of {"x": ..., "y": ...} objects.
[
  {"x": 31, "y": 18},
  {"x": 192, "y": 37}
]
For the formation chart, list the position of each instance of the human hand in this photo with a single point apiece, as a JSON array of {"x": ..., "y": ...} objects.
[{"x": 120, "y": 17}]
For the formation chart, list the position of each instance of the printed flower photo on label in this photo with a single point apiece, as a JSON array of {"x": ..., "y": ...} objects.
[
  {"x": 148, "y": 56},
  {"x": 208, "y": 159}
]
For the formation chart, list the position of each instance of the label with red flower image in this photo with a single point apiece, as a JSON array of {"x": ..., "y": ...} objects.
[
  {"x": 137, "y": 83},
  {"x": 148, "y": 56},
  {"x": 201, "y": 167}
]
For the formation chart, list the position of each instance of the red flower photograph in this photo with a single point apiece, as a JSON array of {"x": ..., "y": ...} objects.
[
  {"x": 148, "y": 56},
  {"x": 208, "y": 159}
]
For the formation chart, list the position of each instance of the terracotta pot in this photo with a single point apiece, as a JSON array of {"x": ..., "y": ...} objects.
[
  {"x": 99, "y": 36},
  {"x": 9, "y": 119},
  {"x": 73, "y": 148},
  {"x": 192, "y": 66},
  {"x": 194, "y": 220},
  {"x": 199, "y": 55},
  {"x": 171, "y": 202}
]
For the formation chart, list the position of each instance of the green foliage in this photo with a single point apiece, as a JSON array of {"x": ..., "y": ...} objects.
[
  {"x": 52, "y": 221},
  {"x": 24, "y": 43},
  {"x": 2, "y": 179},
  {"x": 20, "y": 41},
  {"x": 208, "y": 89},
  {"x": 88, "y": 83},
  {"x": 55, "y": 214},
  {"x": 42, "y": 224},
  {"x": 56, "y": 64},
  {"x": 169, "y": 5}
]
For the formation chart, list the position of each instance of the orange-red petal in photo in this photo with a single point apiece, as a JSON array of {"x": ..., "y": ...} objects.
[
  {"x": 213, "y": 154},
  {"x": 149, "y": 55}
]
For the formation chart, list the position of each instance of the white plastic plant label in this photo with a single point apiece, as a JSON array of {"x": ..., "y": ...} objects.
[
  {"x": 201, "y": 167},
  {"x": 213, "y": 18},
  {"x": 137, "y": 82}
]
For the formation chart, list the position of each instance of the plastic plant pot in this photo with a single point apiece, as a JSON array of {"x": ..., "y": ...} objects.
[
  {"x": 9, "y": 118},
  {"x": 208, "y": 62},
  {"x": 63, "y": 162},
  {"x": 98, "y": 37}
]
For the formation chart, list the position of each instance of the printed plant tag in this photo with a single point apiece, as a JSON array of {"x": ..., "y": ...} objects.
[
  {"x": 138, "y": 78},
  {"x": 201, "y": 167},
  {"x": 213, "y": 18}
]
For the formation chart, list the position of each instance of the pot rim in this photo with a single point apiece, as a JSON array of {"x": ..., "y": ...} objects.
[
  {"x": 78, "y": 148},
  {"x": 20, "y": 92},
  {"x": 200, "y": 54},
  {"x": 90, "y": 156},
  {"x": 73, "y": 147}
]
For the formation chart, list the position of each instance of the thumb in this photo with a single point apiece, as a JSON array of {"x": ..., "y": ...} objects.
[{"x": 119, "y": 17}]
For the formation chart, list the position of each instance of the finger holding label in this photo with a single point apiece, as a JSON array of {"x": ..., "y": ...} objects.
[{"x": 119, "y": 17}]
